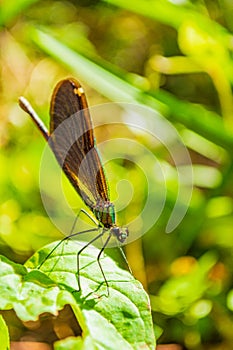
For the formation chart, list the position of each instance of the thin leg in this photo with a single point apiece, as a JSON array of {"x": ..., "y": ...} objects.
[
  {"x": 76, "y": 219},
  {"x": 90, "y": 217},
  {"x": 63, "y": 240},
  {"x": 100, "y": 266},
  {"x": 78, "y": 254},
  {"x": 71, "y": 234},
  {"x": 125, "y": 259},
  {"x": 74, "y": 224}
]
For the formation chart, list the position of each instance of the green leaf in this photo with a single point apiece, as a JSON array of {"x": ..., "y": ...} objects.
[
  {"x": 122, "y": 320},
  {"x": 73, "y": 343},
  {"x": 28, "y": 293},
  {"x": 4, "y": 344}
]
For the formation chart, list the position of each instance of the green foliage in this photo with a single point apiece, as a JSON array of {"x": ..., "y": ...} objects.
[
  {"x": 175, "y": 58},
  {"x": 5, "y": 343},
  {"x": 121, "y": 319}
]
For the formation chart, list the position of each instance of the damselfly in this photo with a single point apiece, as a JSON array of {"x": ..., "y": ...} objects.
[{"x": 71, "y": 139}]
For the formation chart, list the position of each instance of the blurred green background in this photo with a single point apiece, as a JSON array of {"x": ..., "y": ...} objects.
[{"x": 175, "y": 57}]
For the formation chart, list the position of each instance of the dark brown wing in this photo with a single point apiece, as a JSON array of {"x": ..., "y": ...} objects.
[{"x": 72, "y": 142}]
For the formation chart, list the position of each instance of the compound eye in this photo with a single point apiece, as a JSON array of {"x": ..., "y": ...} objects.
[
  {"x": 120, "y": 234},
  {"x": 123, "y": 236}
]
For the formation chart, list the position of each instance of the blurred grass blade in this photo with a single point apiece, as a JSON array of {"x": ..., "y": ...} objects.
[
  {"x": 170, "y": 14},
  {"x": 209, "y": 125},
  {"x": 99, "y": 78}
]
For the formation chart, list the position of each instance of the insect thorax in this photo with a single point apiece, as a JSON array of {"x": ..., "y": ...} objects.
[{"x": 105, "y": 213}]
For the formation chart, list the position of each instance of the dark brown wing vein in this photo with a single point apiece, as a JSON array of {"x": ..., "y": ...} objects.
[{"x": 80, "y": 162}]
